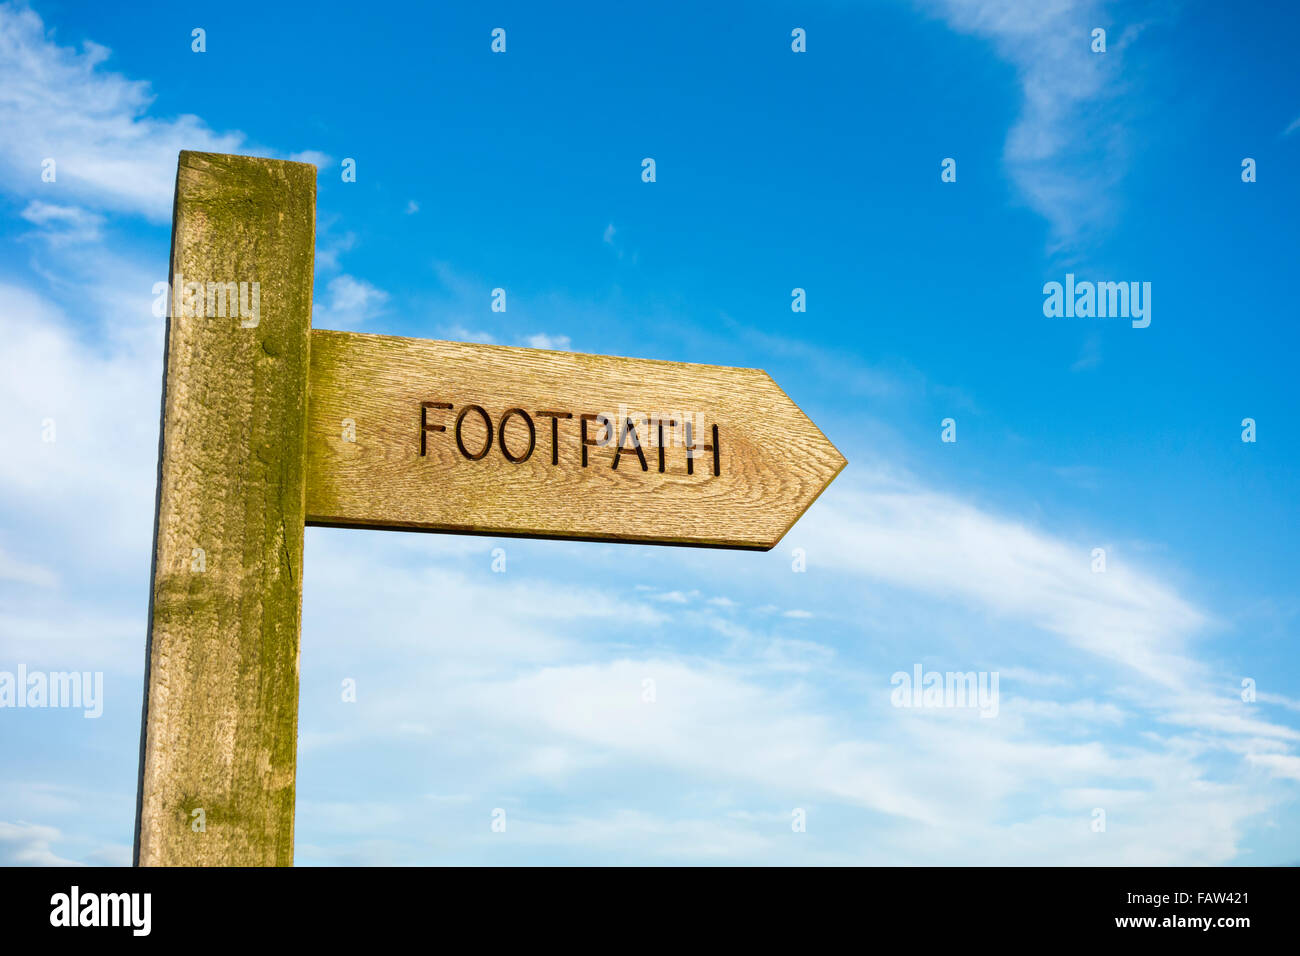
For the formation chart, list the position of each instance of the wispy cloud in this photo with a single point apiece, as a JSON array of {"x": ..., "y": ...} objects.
[
  {"x": 1067, "y": 148},
  {"x": 22, "y": 572},
  {"x": 61, "y": 103},
  {"x": 349, "y": 303},
  {"x": 26, "y": 844},
  {"x": 1124, "y": 618},
  {"x": 541, "y": 340},
  {"x": 313, "y": 156},
  {"x": 59, "y": 225}
]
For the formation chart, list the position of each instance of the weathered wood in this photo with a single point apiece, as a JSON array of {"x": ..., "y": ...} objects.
[
  {"x": 220, "y": 721},
  {"x": 396, "y": 427}
]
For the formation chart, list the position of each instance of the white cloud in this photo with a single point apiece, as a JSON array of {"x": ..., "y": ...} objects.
[
  {"x": 459, "y": 333},
  {"x": 60, "y": 103},
  {"x": 753, "y": 716},
  {"x": 63, "y": 224},
  {"x": 1279, "y": 699},
  {"x": 103, "y": 401},
  {"x": 1066, "y": 149},
  {"x": 349, "y": 303},
  {"x": 313, "y": 156},
  {"x": 12, "y": 569},
  {"x": 1087, "y": 711},
  {"x": 27, "y": 844},
  {"x": 82, "y": 503},
  {"x": 890, "y": 531},
  {"x": 328, "y": 251},
  {"x": 543, "y": 341},
  {"x": 700, "y": 840},
  {"x": 1280, "y": 765},
  {"x": 114, "y": 854}
]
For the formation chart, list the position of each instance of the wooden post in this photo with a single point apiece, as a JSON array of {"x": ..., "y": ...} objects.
[{"x": 219, "y": 730}]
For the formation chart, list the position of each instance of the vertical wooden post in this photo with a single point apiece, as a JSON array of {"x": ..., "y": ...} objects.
[{"x": 219, "y": 730}]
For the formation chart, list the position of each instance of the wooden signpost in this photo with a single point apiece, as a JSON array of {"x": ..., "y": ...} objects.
[{"x": 269, "y": 426}]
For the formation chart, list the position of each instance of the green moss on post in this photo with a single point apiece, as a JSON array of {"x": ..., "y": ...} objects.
[{"x": 220, "y": 720}]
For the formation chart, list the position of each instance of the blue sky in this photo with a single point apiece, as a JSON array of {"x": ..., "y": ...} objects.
[{"x": 523, "y": 690}]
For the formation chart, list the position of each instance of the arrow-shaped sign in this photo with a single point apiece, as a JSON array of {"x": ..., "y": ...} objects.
[{"x": 485, "y": 439}]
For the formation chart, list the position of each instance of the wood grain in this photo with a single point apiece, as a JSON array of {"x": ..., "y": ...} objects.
[
  {"x": 772, "y": 462},
  {"x": 221, "y": 690}
]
